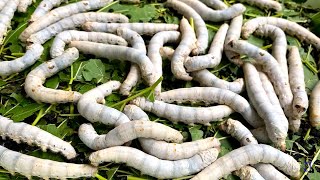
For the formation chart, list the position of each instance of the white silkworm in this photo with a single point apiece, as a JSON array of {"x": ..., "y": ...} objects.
[
  {"x": 209, "y": 14},
  {"x": 213, "y": 58},
  {"x": 215, "y": 4},
  {"x": 264, "y": 4},
  {"x": 60, "y": 13},
  {"x": 3, "y": 3},
  {"x": 187, "y": 43},
  {"x": 32, "y": 54},
  {"x": 315, "y": 105},
  {"x": 289, "y": 27},
  {"x": 140, "y": 28},
  {"x": 250, "y": 154},
  {"x": 35, "y": 79},
  {"x": 268, "y": 88},
  {"x": 261, "y": 135},
  {"x": 23, "y": 5},
  {"x": 271, "y": 67},
  {"x": 212, "y": 95},
  {"x": 34, "y": 135},
  {"x": 136, "y": 42},
  {"x": 66, "y": 37},
  {"x": 267, "y": 171},
  {"x": 43, "y": 8},
  {"x": 275, "y": 121},
  {"x": 72, "y": 22},
  {"x": 126, "y": 132},
  {"x": 153, "y": 166},
  {"x": 6, "y": 14},
  {"x": 187, "y": 115},
  {"x": 113, "y": 52},
  {"x": 279, "y": 44},
  {"x": 248, "y": 173},
  {"x": 30, "y": 166},
  {"x": 89, "y": 108},
  {"x": 200, "y": 25}
]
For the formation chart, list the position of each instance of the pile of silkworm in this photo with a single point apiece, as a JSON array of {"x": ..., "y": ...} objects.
[{"x": 272, "y": 80}]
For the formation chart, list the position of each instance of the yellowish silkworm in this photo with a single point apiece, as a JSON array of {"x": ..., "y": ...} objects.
[
  {"x": 23, "y": 5},
  {"x": 248, "y": 173}
]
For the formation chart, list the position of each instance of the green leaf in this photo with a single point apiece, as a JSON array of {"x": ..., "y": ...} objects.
[
  {"x": 60, "y": 131},
  {"x": 53, "y": 82},
  {"x": 94, "y": 70},
  {"x": 195, "y": 132},
  {"x": 112, "y": 171},
  {"x": 21, "y": 112}
]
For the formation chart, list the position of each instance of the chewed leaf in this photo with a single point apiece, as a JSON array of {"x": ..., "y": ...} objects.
[
  {"x": 196, "y": 132},
  {"x": 94, "y": 69}
]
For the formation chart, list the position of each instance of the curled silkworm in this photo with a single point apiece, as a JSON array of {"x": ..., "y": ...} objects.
[
  {"x": 248, "y": 173},
  {"x": 153, "y": 166},
  {"x": 30, "y": 166},
  {"x": 34, "y": 135},
  {"x": 35, "y": 79},
  {"x": 89, "y": 108},
  {"x": 212, "y": 95},
  {"x": 250, "y": 154},
  {"x": 187, "y": 43},
  {"x": 213, "y": 58},
  {"x": 289, "y": 27},
  {"x": 23, "y": 5},
  {"x": 134, "y": 75},
  {"x": 200, "y": 26},
  {"x": 209, "y": 14},
  {"x": 264, "y": 4},
  {"x": 126, "y": 132},
  {"x": 140, "y": 28},
  {"x": 215, "y": 4},
  {"x": 113, "y": 52},
  {"x": 6, "y": 14},
  {"x": 315, "y": 106},
  {"x": 72, "y": 22},
  {"x": 32, "y": 54},
  {"x": 66, "y": 37},
  {"x": 43, "y": 8},
  {"x": 60, "y": 13},
  {"x": 275, "y": 121},
  {"x": 188, "y": 115}
]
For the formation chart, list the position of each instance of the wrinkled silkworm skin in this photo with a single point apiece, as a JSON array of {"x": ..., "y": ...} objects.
[
  {"x": 34, "y": 135},
  {"x": 23, "y": 5},
  {"x": 267, "y": 171},
  {"x": 72, "y": 22},
  {"x": 6, "y": 14},
  {"x": 153, "y": 166},
  {"x": 275, "y": 120},
  {"x": 113, "y": 52},
  {"x": 30, "y": 166},
  {"x": 61, "y": 13},
  {"x": 187, "y": 43},
  {"x": 315, "y": 106},
  {"x": 89, "y": 108},
  {"x": 156, "y": 42},
  {"x": 32, "y": 54},
  {"x": 35, "y": 79},
  {"x": 66, "y": 37},
  {"x": 250, "y": 154},
  {"x": 43, "y": 8},
  {"x": 237, "y": 130},
  {"x": 215, "y": 4},
  {"x": 248, "y": 173},
  {"x": 199, "y": 24},
  {"x": 134, "y": 75},
  {"x": 264, "y": 4},
  {"x": 212, "y": 95},
  {"x": 209, "y": 14},
  {"x": 126, "y": 132},
  {"x": 271, "y": 67},
  {"x": 187, "y": 115},
  {"x": 213, "y": 58},
  {"x": 279, "y": 45},
  {"x": 141, "y": 28},
  {"x": 289, "y": 27},
  {"x": 261, "y": 135}
]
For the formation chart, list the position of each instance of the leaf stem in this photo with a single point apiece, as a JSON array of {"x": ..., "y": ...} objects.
[
  {"x": 107, "y": 6},
  {"x": 310, "y": 165},
  {"x": 98, "y": 176},
  {"x": 41, "y": 114}
]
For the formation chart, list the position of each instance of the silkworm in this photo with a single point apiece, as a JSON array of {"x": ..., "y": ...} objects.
[
  {"x": 34, "y": 135},
  {"x": 153, "y": 166},
  {"x": 289, "y": 27},
  {"x": 66, "y": 37},
  {"x": 261, "y": 135},
  {"x": 264, "y": 4},
  {"x": 136, "y": 42},
  {"x": 165, "y": 150},
  {"x": 61, "y": 13},
  {"x": 6, "y": 14},
  {"x": 89, "y": 108},
  {"x": 3, "y": 3},
  {"x": 271, "y": 67},
  {"x": 267, "y": 171},
  {"x": 126, "y": 132},
  {"x": 113, "y": 52},
  {"x": 215, "y": 4},
  {"x": 211, "y": 95},
  {"x": 140, "y": 28},
  {"x": 248, "y": 173},
  {"x": 187, "y": 115},
  {"x": 35, "y": 79},
  {"x": 187, "y": 43},
  {"x": 43, "y": 8},
  {"x": 209, "y": 14},
  {"x": 315, "y": 105},
  {"x": 250, "y": 154},
  {"x": 32, "y": 54},
  {"x": 200, "y": 26},
  {"x": 72, "y": 22},
  {"x": 279, "y": 44},
  {"x": 213, "y": 58},
  {"x": 30, "y": 166},
  {"x": 23, "y": 5}
]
